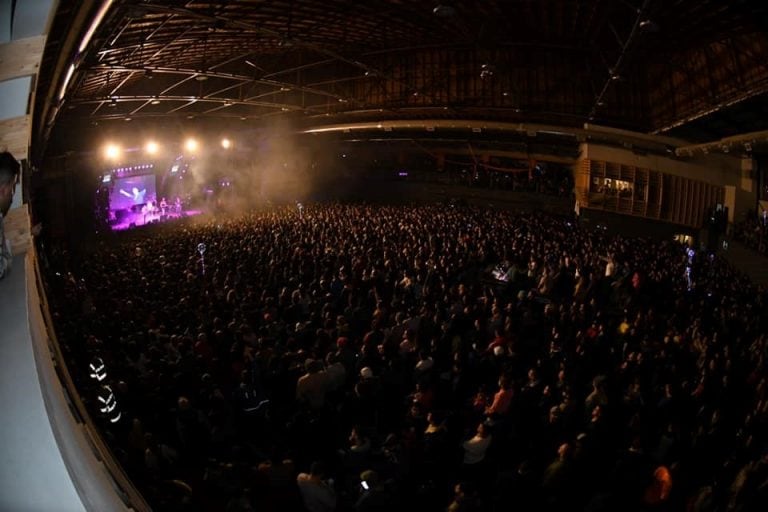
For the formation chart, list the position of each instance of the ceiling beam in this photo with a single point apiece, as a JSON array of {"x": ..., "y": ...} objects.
[
  {"x": 299, "y": 68},
  {"x": 738, "y": 98},
  {"x": 613, "y": 72},
  {"x": 277, "y": 35},
  {"x": 163, "y": 93},
  {"x": 255, "y": 28},
  {"x": 737, "y": 143},
  {"x": 192, "y": 73},
  {"x": 189, "y": 99}
]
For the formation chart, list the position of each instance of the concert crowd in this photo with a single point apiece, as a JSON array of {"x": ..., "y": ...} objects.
[
  {"x": 753, "y": 232},
  {"x": 369, "y": 358}
]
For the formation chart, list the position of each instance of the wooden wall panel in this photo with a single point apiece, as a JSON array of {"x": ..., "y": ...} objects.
[
  {"x": 699, "y": 197},
  {"x": 582, "y": 180},
  {"x": 682, "y": 191},
  {"x": 14, "y": 136},
  {"x": 21, "y": 57}
]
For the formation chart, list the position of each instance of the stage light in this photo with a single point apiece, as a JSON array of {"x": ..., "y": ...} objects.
[
  {"x": 226, "y": 143},
  {"x": 152, "y": 147},
  {"x": 191, "y": 145},
  {"x": 112, "y": 152}
]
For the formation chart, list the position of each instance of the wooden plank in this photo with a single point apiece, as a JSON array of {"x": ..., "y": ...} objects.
[
  {"x": 685, "y": 196},
  {"x": 695, "y": 203},
  {"x": 650, "y": 176},
  {"x": 582, "y": 181},
  {"x": 14, "y": 136},
  {"x": 21, "y": 57},
  {"x": 698, "y": 210},
  {"x": 660, "y": 195},
  {"x": 691, "y": 203},
  {"x": 674, "y": 192}
]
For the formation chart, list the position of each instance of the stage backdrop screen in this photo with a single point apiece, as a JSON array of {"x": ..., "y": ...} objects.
[{"x": 132, "y": 191}]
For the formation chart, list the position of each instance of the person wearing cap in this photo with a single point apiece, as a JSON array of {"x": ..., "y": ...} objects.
[
  {"x": 9, "y": 174},
  {"x": 368, "y": 386}
]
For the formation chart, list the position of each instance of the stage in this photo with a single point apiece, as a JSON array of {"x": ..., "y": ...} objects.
[{"x": 121, "y": 220}]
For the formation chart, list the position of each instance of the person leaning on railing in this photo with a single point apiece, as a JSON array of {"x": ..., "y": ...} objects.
[{"x": 9, "y": 173}]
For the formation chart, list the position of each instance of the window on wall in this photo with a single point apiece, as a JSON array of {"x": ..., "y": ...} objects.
[
  {"x": 615, "y": 187},
  {"x": 639, "y": 192}
]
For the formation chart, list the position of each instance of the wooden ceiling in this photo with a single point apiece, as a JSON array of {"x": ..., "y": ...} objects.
[{"x": 646, "y": 65}]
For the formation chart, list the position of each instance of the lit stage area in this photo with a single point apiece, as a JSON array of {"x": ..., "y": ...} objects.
[
  {"x": 129, "y": 219},
  {"x": 142, "y": 185}
]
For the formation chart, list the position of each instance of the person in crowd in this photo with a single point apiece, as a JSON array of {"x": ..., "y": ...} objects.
[
  {"x": 387, "y": 320},
  {"x": 316, "y": 490},
  {"x": 9, "y": 175},
  {"x": 313, "y": 385},
  {"x": 373, "y": 494},
  {"x": 466, "y": 498},
  {"x": 476, "y": 447},
  {"x": 501, "y": 400}
]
